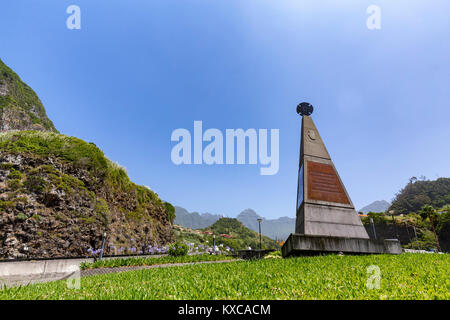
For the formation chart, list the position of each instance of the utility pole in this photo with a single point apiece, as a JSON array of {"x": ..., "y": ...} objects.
[
  {"x": 373, "y": 228},
  {"x": 103, "y": 246},
  {"x": 415, "y": 233},
  {"x": 395, "y": 225},
  {"x": 260, "y": 240},
  {"x": 409, "y": 237},
  {"x": 435, "y": 234}
]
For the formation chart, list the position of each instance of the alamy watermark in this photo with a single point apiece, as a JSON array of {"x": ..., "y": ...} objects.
[
  {"x": 74, "y": 20},
  {"x": 374, "y": 20},
  {"x": 74, "y": 279},
  {"x": 235, "y": 147},
  {"x": 374, "y": 279}
]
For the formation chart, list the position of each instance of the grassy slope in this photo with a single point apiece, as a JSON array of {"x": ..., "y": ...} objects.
[
  {"x": 407, "y": 276},
  {"x": 76, "y": 152},
  {"x": 22, "y": 97},
  {"x": 91, "y": 173}
]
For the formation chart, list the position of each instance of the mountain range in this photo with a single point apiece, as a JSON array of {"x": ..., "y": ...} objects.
[
  {"x": 278, "y": 229},
  {"x": 376, "y": 206}
]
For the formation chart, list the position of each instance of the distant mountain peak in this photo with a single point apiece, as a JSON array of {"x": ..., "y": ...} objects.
[
  {"x": 249, "y": 213},
  {"x": 273, "y": 228},
  {"x": 376, "y": 206}
]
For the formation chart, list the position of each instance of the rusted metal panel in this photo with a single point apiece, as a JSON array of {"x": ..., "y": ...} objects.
[{"x": 324, "y": 184}]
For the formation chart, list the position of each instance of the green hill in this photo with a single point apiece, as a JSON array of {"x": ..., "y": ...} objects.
[
  {"x": 20, "y": 107},
  {"x": 59, "y": 194},
  {"x": 241, "y": 237},
  {"x": 229, "y": 232},
  {"x": 418, "y": 193}
]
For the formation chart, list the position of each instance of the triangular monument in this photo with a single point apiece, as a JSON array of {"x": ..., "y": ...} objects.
[{"x": 326, "y": 218}]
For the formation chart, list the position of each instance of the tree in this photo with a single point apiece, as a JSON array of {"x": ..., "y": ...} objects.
[
  {"x": 428, "y": 211},
  {"x": 170, "y": 212},
  {"x": 443, "y": 228}
]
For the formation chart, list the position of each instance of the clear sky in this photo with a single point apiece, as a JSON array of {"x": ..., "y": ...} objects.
[{"x": 138, "y": 69}]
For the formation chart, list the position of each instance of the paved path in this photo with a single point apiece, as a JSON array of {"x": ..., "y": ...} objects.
[{"x": 9, "y": 281}]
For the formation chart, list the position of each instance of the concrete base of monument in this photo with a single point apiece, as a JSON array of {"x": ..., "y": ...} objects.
[{"x": 299, "y": 244}]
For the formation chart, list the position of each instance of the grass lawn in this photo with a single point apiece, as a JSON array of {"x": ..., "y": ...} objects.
[
  {"x": 406, "y": 276},
  {"x": 149, "y": 261}
]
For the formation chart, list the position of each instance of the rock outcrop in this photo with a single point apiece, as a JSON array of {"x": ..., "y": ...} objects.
[
  {"x": 60, "y": 194},
  {"x": 20, "y": 107}
]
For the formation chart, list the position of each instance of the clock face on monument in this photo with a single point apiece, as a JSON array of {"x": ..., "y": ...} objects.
[{"x": 305, "y": 109}]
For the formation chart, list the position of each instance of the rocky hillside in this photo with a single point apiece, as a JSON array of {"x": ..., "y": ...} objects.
[
  {"x": 59, "y": 194},
  {"x": 20, "y": 107}
]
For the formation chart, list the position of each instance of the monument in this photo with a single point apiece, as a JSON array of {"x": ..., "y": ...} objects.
[{"x": 326, "y": 221}]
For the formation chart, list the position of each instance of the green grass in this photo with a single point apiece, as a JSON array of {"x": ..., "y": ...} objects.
[
  {"x": 146, "y": 261},
  {"x": 407, "y": 276},
  {"x": 79, "y": 154}
]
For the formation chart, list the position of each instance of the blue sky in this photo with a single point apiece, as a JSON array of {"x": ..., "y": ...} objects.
[{"x": 138, "y": 69}]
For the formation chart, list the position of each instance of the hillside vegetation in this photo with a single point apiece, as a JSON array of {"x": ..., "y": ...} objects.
[
  {"x": 20, "y": 107},
  {"x": 418, "y": 193},
  {"x": 241, "y": 237},
  {"x": 231, "y": 235},
  {"x": 406, "y": 227},
  {"x": 58, "y": 194}
]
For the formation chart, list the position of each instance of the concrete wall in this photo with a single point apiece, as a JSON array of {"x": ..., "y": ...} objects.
[{"x": 42, "y": 267}]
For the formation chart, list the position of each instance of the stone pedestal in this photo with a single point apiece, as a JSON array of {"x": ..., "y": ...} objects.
[{"x": 298, "y": 244}]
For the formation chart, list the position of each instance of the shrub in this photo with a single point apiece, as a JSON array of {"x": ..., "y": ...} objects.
[
  {"x": 14, "y": 184},
  {"x": 15, "y": 174},
  {"x": 21, "y": 216},
  {"x": 170, "y": 211},
  {"x": 37, "y": 217},
  {"x": 102, "y": 210},
  {"x": 378, "y": 217},
  {"x": 178, "y": 249},
  {"x": 35, "y": 184}
]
